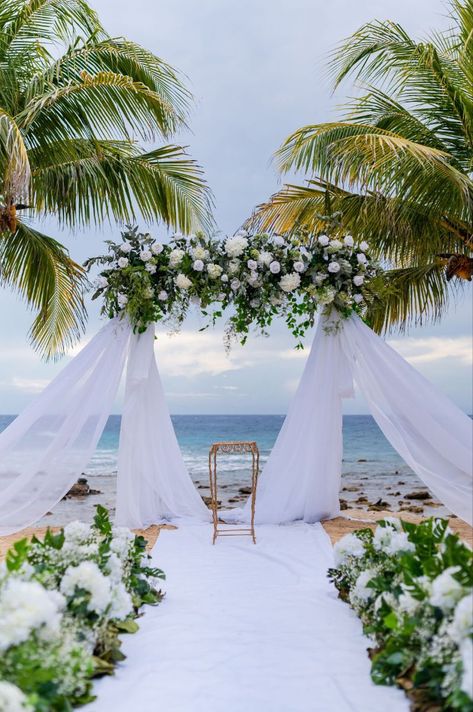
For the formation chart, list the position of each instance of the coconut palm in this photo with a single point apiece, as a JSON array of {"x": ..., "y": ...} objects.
[
  {"x": 398, "y": 166},
  {"x": 77, "y": 108}
]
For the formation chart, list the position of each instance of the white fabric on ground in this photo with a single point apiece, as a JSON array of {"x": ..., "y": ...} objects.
[
  {"x": 47, "y": 447},
  {"x": 431, "y": 434},
  {"x": 153, "y": 482},
  {"x": 301, "y": 479},
  {"x": 246, "y": 628}
]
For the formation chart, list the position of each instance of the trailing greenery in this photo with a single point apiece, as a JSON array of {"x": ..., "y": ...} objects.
[
  {"x": 76, "y": 110},
  {"x": 412, "y": 587},
  {"x": 65, "y": 601},
  {"x": 398, "y": 164}
]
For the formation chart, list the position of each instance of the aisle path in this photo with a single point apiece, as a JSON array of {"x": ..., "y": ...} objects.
[{"x": 246, "y": 628}]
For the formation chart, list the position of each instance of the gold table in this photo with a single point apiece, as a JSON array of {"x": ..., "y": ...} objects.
[{"x": 233, "y": 447}]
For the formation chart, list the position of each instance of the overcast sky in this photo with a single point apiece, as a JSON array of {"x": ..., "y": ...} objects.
[{"x": 257, "y": 69}]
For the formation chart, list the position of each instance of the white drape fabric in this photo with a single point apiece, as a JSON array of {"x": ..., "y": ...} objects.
[
  {"x": 47, "y": 447},
  {"x": 153, "y": 481},
  {"x": 431, "y": 434},
  {"x": 301, "y": 479}
]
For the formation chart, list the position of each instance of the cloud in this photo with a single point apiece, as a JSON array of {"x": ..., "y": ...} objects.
[
  {"x": 29, "y": 385},
  {"x": 428, "y": 350},
  {"x": 190, "y": 354}
]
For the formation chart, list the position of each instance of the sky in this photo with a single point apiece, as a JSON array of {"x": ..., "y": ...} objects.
[{"x": 257, "y": 70}]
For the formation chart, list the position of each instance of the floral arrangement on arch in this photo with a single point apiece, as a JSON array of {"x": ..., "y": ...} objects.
[
  {"x": 412, "y": 587},
  {"x": 64, "y": 602},
  {"x": 260, "y": 276}
]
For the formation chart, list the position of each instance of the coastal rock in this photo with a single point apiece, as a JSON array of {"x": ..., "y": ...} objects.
[
  {"x": 245, "y": 490},
  {"x": 423, "y": 494},
  {"x": 362, "y": 499},
  {"x": 208, "y": 501},
  {"x": 81, "y": 489},
  {"x": 351, "y": 488},
  {"x": 380, "y": 505}
]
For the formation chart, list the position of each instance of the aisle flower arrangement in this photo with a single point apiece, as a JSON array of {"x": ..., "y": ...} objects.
[
  {"x": 412, "y": 587},
  {"x": 65, "y": 600},
  {"x": 260, "y": 276}
]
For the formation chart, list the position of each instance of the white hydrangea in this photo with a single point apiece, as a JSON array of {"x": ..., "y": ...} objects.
[
  {"x": 233, "y": 267},
  {"x": 336, "y": 245},
  {"x": 12, "y": 699},
  {"x": 348, "y": 241},
  {"x": 364, "y": 246},
  {"x": 349, "y": 545},
  {"x": 358, "y": 280},
  {"x": 391, "y": 541},
  {"x": 122, "y": 539},
  {"x": 175, "y": 258},
  {"x": 77, "y": 532},
  {"x": 199, "y": 253},
  {"x": 407, "y": 603},
  {"x": 289, "y": 282},
  {"x": 462, "y": 624},
  {"x": 275, "y": 267},
  {"x": 162, "y": 295},
  {"x": 299, "y": 266},
  {"x": 182, "y": 282},
  {"x": 446, "y": 590},
  {"x": 214, "y": 271},
  {"x": 319, "y": 279},
  {"x": 125, "y": 248},
  {"x": 26, "y": 606},
  {"x": 198, "y": 265},
  {"x": 122, "y": 300},
  {"x": 236, "y": 245},
  {"x": 323, "y": 240},
  {"x": 333, "y": 267},
  {"x": 87, "y": 576},
  {"x": 466, "y": 651},
  {"x": 361, "y": 591},
  {"x": 122, "y": 262},
  {"x": 157, "y": 248},
  {"x": 327, "y": 296},
  {"x": 150, "y": 267},
  {"x": 146, "y": 255},
  {"x": 265, "y": 258},
  {"x": 121, "y": 605},
  {"x": 252, "y": 264}
]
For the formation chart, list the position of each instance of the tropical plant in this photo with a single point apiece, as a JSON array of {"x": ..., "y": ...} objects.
[
  {"x": 398, "y": 165},
  {"x": 76, "y": 107}
]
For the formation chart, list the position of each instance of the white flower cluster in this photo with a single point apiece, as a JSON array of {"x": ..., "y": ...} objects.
[
  {"x": 26, "y": 607},
  {"x": 12, "y": 699},
  {"x": 347, "y": 546}
]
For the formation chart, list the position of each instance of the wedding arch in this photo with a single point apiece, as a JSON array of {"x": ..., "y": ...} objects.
[{"x": 142, "y": 282}]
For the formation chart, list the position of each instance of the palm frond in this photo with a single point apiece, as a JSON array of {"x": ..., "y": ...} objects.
[
  {"x": 41, "y": 271},
  {"x": 14, "y": 161}
]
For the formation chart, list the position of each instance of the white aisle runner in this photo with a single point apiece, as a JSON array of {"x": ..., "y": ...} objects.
[{"x": 246, "y": 628}]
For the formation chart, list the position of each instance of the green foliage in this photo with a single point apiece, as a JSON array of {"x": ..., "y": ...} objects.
[
  {"x": 398, "y": 165},
  {"x": 77, "y": 108}
]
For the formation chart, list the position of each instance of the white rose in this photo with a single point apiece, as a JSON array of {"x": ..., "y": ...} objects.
[
  {"x": 323, "y": 240},
  {"x": 224, "y": 277},
  {"x": 236, "y": 245},
  {"x": 361, "y": 258},
  {"x": 265, "y": 258},
  {"x": 101, "y": 282},
  {"x": 175, "y": 258},
  {"x": 122, "y": 262},
  {"x": 347, "y": 546},
  {"x": 319, "y": 279},
  {"x": 275, "y": 301},
  {"x": 146, "y": 255},
  {"x": 364, "y": 246},
  {"x": 446, "y": 590},
  {"x": 289, "y": 282},
  {"x": 163, "y": 295},
  {"x": 122, "y": 300},
  {"x": 156, "y": 248},
  {"x": 462, "y": 624},
  {"x": 151, "y": 268},
  {"x": 358, "y": 280},
  {"x": 275, "y": 267},
  {"x": 121, "y": 604},
  {"x": 235, "y": 284},
  {"x": 358, "y": 298},
  {"x": 252, "y": 265},
  {"x": 407, "y": 603},
  {"x": 391, "y": 541},
  {"x": 182, "y": 281},
  {"x": 333, "y": 267},
  {"x": 214, "y": 271},
  {"x": 466, "y": 651},
  {"x": 361, "y": 591},
  {"x": 125, "y": 248},
  {"x": 299, "y": 266},
  {"x": 254, "y": 303},
  {"x": 12, "y": 699},
  {"x": 348, "y": 240},
  {"x": 199, "y": 253},
  {"x": 336, "y": 245},
  {"x": 233, "y": 267},
  {"x": 279, "y": 241},
  {"x": 198, "y": 265}
]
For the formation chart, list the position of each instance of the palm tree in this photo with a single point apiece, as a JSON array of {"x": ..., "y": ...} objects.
[
  {"x": 398, "y": 166},
  {"x": 76, "y": 107}
]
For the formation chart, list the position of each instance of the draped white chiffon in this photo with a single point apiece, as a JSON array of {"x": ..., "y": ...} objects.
[
  {"x": 153, "y": 482},
  {"x": 46, "y": 447}
]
